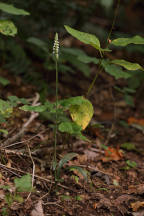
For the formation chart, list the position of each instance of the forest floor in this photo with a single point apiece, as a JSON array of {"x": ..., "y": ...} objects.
[{"x": 113, "y": 156}]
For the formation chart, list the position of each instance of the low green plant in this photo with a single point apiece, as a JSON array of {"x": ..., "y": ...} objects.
[{"x": 23, "y": 184}]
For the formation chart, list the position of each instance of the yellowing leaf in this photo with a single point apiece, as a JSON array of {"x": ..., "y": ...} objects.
[{"x": 82, "y": 114}]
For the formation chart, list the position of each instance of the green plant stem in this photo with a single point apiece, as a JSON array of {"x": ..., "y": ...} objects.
[
  {"x": 114, "y": 20},
  {"x": 56, "y": 118},
  {"x": 100, "y": 62},
  {"x": 94, "y": 80}
]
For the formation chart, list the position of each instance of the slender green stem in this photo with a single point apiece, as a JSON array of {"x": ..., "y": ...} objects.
[
  {"x": 56, "y": 118},
  {"x": 94, "y": 79},
  {"x": 114, "y": 20},
  {"x": 100, "y": 62}
]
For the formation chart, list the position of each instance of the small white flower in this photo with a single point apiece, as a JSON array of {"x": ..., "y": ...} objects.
[{"x": 56, "y": 46}]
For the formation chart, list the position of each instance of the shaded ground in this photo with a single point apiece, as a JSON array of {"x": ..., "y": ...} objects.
[{"x": 116, "y": 174}]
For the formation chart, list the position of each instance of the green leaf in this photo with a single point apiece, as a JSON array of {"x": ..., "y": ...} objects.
[
  {"x": 127, "y": 65},
  {"x": 64, "y": 160},
  {"x": 128, "y": 146},
  {"x": 86, "y": 38},
  {"x": 18, "y": 198},
  {"x": 69, "y": 127},
  {"x": 88, "y": 59},
  {"x": 4, "y": 131},
  {"x": 115, "y": 70},
  {"x": 125, "y": 41},
  {"x": 4, "y": 81},
  {"x": 14, "y": 100},
  {"x": 80, "y": 170},
  {"x": 129, "y": 99},
  {"x": 65, "y": 198},
  {"x": 40, "y": 108},
  {"x": 71, "y": 101},
  {"x": 8, "y": 8},
  {"x": 131, "y": 164},
  {"x": 23, "y": 184},
  {"x": 82, "y": 114},
  {"x": 8, "y": 28},
  {"x": 6, "y": 108},
  {"x": 40, "y": 43}
]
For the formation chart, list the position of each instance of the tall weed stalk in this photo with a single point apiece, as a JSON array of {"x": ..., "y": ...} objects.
[{"x": 56, "y": 55}]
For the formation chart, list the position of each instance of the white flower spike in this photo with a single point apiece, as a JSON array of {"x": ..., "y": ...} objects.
[{"x": 56, "y": 46}]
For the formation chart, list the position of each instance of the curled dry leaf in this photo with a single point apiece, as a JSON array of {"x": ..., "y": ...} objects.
[
  {"x": 136, "y": 205},
  {"x": 112, "y": 154}
]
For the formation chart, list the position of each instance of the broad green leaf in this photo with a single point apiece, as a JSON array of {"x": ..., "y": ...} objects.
[
  {"x": 38, "y": 42},
  {"x": 86, "y": 38},
  {"x": 71, "y": 101},
  {"x": 125, "y": 41},
  {"x": 127, "y": 65},
  {"x": 8, "y": 28},
  {"x": 80, "y": 170},
  {"x": 23, "y": 184},
  {"x": 69, "y": 127},
  {"x": 8, "y": 8},
  {"x": 4, "y": 81},
  {"x": 82, "y": 114},
  {"x": 115, "y": 70},
  {"x": 40, "y": 108}
]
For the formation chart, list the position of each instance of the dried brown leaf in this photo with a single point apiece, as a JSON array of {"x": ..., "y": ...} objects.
[{"x": 38, "y": 209}]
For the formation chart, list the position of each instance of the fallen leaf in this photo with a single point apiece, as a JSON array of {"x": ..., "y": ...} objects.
[
  {"x": 91, "y": 155},
  {"x": 112, "y": 154},
  {"x": 136, "y": 205},
  {"x": 136, "y": 189},
  {"x": 38, "y": 209},
  {"x": 132, "y": 120}
]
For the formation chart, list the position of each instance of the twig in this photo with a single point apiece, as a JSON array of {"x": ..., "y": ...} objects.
[
  {"x": 16, "y": 143},
  {"x": 36, "y": 176},
  {"x": 33, "y": 172}
]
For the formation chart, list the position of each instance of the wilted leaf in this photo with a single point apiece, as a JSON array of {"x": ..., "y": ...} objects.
[
  {"x": 125, "y": 41},
  {"x": 82, "y": 114}
]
